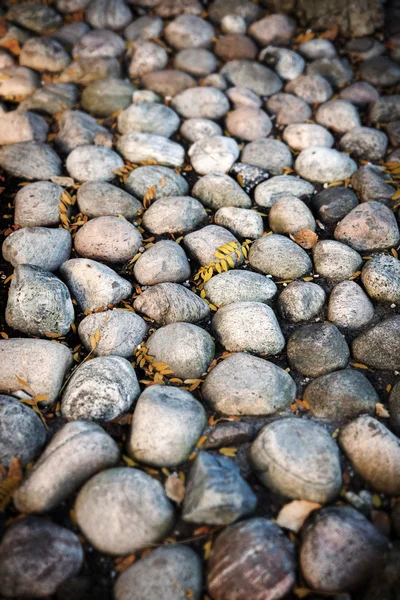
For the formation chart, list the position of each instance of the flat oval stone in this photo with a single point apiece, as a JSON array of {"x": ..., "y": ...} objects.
[
  {"x": 110, "y": 239},
  {"x": 38, "y": 19},
  {"x": 174, "y": 215},
  {"x": 171, "y": 303},
  {"x": 303, "y": 135},
  {"x": 314, "y": 89},
  {"x": 189, "y": 31},
  {"x": 203, "y": 244},
  {"x": 104, "y": 97},
  {"x": 146, "y": 57},
  {"x": 201, "y": 103},
  {"x": 149, "y": 117},
  {"x": 168, "y": 82},
  {"x": 250, "y": 74},
  {"x": 241, "y": 96},
  {"x": 335, "y": 260},
  {"x": 336, "y": 71},
  {"x": 99, "y": 42},
  {"x": 166, "y": 182},
  {"x": 241, "y": 221},
  {"x": 103, "y": 14},
  {"x": 38, "y": 246},
  {"x": 288, "y": 109},
  {"x": 269, "y": 154},
  {"x": 93, "y": 163},
  {"x": 278, "y": 256},
  {"x": 274, "y": 29},
  {"x": 380, "y": 71},
  {"x": 379, "y": 346},
  {"x": 233, "y": 24},
  {"x": 239, "y": 286},
  {"x": 51, "y": 99},
  {"x": 121, "y": 332},
  {"x": 333, "y": 204},
  {"x": 324, "y": 165},
  {"x": 101, "y": 199},
  {"x": 301, "y": 301},
  {"x": 213, "y": 154},
  {"x": 30, "y": 161},
  {"x": 349, "y": 306},
  {"x": 381, "y": 278},
  {"x": 268, "y": 192},
  {"x": 287, "y": 63},
  {"x": 166, "y": 261},
  {"x": 19, "y": 82},
  {"x": 216, "y": 190},
  {"x": 196, "y": 61},
  {"x": 195, "y": 129},
  {"x": 373, "y": 183},
  {"x": 317, "y": 48},
  {"x": 289, "y": 214},
  {"x": 144, "y": 28},
  {"x": 366, "y": 143},
  {"x": 21, "y": 126},
  {"x": 141, "y": 147},
  {"x": 44, "y": 54},
  {"x": 360, "y": 93},
  {"x": 339, "y": 115},
  {"x": 76, "y": 129},
  {"x": 85, "y": 70},
  {"x": 235, "y": 47}
]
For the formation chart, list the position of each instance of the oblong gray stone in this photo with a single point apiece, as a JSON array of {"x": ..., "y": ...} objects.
[
  {"x": 324, "y": 165},
  {"x": 44, "y": 54},
  {"x": 381, "y": 278},
  {"x": 111, "y": 239},
  {"x": 278, "y": 256},
  {"x": 93, "y": 163},
  {"x": 171, "y": 303},
  {"x": 101, "y": 199},
  {"x": 290, "y": 214},
  {"x": 30, "y": 161},
  {"x": 38, "y": 246},
  {"x": 240, "y": 221},
  {"x": 252, "y": 75},
  {"x": 174, "y": 214},
  {"x": 22, "y": 126},
  {"x": 104, "y": 97},
  {"x": 335, "y": 260},
  {"x": 121, "y": 331},
  {"x": 269, "y": 154},
  {"x": 214, "y": 154},
  {"x": 349, "y": 306},
  {"x": 268, "y": 192},
  {"x": 301, "y": 301},
  {"x": 239, "y": 286},
  {"x": 76, "y": 128},
  {"x": 141, "y": 147},
  {"x": 166, "y": 182},
  {"x": 163, "y": 262},
  {"x": 149, "y": 117},
  {"x": 216, "y": 190},
  {"x": 203, "y": 244},
  {"x": 379, "y": 346}
]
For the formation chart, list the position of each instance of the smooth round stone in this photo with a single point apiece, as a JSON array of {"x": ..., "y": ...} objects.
[
  {"x": 42, "y": 363},
  {"x": 349, "y": 306},
  {"x": 248, "y": 175},
  {"x": 339, "y": 115},
  {"x": 240, "y": 221},
  {"x": 317, "y": 349},
  {"x": 196, "y": 61},
  {"x": 359, "y": 93},
  {"x": 121, "y": 332},
  {"x": 103, "y": 14},
  {"x": 314, "y": 89},
  {"x": 364, "y": 48},
  {"x": 303, "y": 135},
  {"x": 167, "y": 303},
  {"x": 30, "y": 160},
  {"x": 301, "y": 301},
  {"x": 186, "y": 348},
  {"x": 22, "y": 126},
  {"x": 269, "y": 154},
  {"x": 203, "y": 244},
  {"x": 365, "y": 143},
  {"x": 102, "y": 505},
  {"x": 86, "y": 70},
  {"x": 381, "y": 278},
  {"x": 168, "y": 83},
  {"x": 373, "y": 183},
  {"x": 105, "y": 97},
  {"x": 100, "y": 390},
  {"x": 110, "y": 239},
  {"x": 379, "y": 347},
  {"x": 244, "y": 550},
  {"x": 196, "y": 129},
  {"x": 19, "y": 82},
  {"x": 181, "y": 570},
  {"x": 241, "y": 96},
  {"x": 141, "y": 147},
  {"x": 37, "y": 556},
  {"x": 243, "y": 384},
  {"x": 148, "y": 117},
  {"x": 94, "y": 285},
  {"x": 245, "y": 9},
  {"x": 324, "y": 165},
  {"x": 146, "y": 57},
  {"x": 287, "y": 64},
  {"x": 335, "y": 260},
  {"x": 288, "y": 109},
  {"x": 38, "y": 19},
  {"x": 333, "y": 204},
  {"x": 174, "y": 215},
  {"x": 297, "y": 459},
  {"x": 189, "y": 31},
  {"x": 201, "y": 103},
  {"x": 239, "y": 286},
  {"x": 341, "y": 395},
  {"x": 340, "y": 549},
  {"x": 22, "y": 433},
  {"x": 368, "y": 227},
  {"x": 248, "y": 327},
  {"x": 139, "y": 96},
  {"x": 275, "y": 29},
  {"x": 250, "y": 74},
  {"x": 394, "y": 409},
  {"x": 70, "y": 34},
  {"x": 289, "y": 214},
  {"x": 99, "y": 42},
  {"x": 166, "y": 261},
  {"x": 76, "y": 128},
  {"x": 166, "y": 182},
  {"x": 214, "y": 154},
  {"x": 44, "y": 54},
  {"x": 278, "y": 256},
  {"x": 51, "y": 99},
  {"x": 100, "y": 199},
  {"x": 268, "y": 192},
  {"x": 215, "y": 80},
  {"x": 233, "y": 24},
  {"x": 336, "y": 71},
  {"x": 374, "y": 452},
  {"x": 380, "y": 71},
  {"x": 235, "y": 47},
  {"x": 385, "y": 109},
  {"x": 217, "y": 190},
  {"x": 144, "y": 28},
  {"x": 317, "y": 48},
  {"x": 249, "y": 124},
  {"x": 93, "y": 163},
  {"x": 166, "y": 426},
  {"x": 77, "y": 452},
  {"x": 38, "y": 246}
]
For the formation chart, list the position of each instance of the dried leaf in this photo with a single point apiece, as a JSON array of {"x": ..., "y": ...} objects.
[
  {"x": 11, "y": 45},
  {"x": 126, "y": 562},
  {"x": 207, "y": 548},
  {"x": 396, "y": 195},
  {"x": 175, "y": 488},
  {"x": 41, "y": 398},
  {"x": 149, "y": 195},
  {"x": 293, "y": 515},
  {"x": 10, "y": 483},
  {"x": 381, "y": 411},
  {"x": 359, "y": 366},
  {"x": 330, "y": 34},
  {"x": 395, "y": 253},
  {"x": 228, "y": 451},
  {"x": 302, "y": 592},
  {"x": 305, "y": 238}
]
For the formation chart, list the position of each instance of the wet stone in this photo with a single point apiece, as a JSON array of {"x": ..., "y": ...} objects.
[
  {"x": 269, "y": 154},
  {"x": 324, "y": 165},
  {"x": 278, "y": 256},
  {"x": 166, "y": 261},
  {"x": 217, "y": 190},
  {"x": 381, "y": 278},
  {"x": 240, "y": 221},
  {"x": 196, "y": 61},
  {"x": 333, "y": 204},
  {"x": 301, "y": 301},
  {"x": 349, "y": 306},
  {"x": 289, "y": 214},
  {"x": 214, "y": 154},
  {"x": 268, "y": 192},
  {"x": 365, "y": 143},
  {"x": 171, "y": 303},
  {"x": 359, "y": 93},
  {"x": 30, "y": 161},
  {"x": 140, "y": 147},
  {"x": 148, "y": 117},
  {"x": 239, "y": 286},
  {"x": 19, "y": 126},
  {"x": 38, "y": 246},
  {"x": 288, "y": 109},
  {"x": 194, "y": 130},
  {"x": 235, "y": 47},
  {"x": 314, "y": 89},
  {"x": 339, "y": 115},
  {"x": 372, "y": 183},
  {"x": 379, "y": 347},
  {"x": 77, "y": 128},
  {"x": 189, "y": 31},
  {"x": 201, "y": 103},
  {"x": 101, "y": 199},
  {"x": 44, "y": 54},
  {"x": 249, "y": 74},
  {"x": 304, "y": 135},
  {"x": 335, "y": 260},
  {"x": 203, "y": 244},
  {"x": 174, "y": 214},
  {"x": 109, "y": 239}
]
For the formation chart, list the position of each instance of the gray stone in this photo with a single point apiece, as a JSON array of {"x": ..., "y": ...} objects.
[
  {"x": 349, "y": 306},
  {"x": 38, "y": 18},
  {"x": 100, "y": 42},
  {"x": 245, "y": 9},
  {"x": 250, "y": 74},
  {"x": 335, "y": 260},
  {"x": 301, "y": 301},
  {"x": 248, "y": 327},
  {"x": 85, "y": 70},
  {"x": 216, "y": 493},
  {"x": 196, "y": 61},
  {"x": 22, "y": 433},
  {"x": 201, "y": 103},
  {"x": 19, "y": 126},
  {"x": 101, "y": 199},
  {"x": 289, "y": 214},
  {"x": 110, "y": 239},
  {"x": 297, "y": 459},
  {"x": 139, "y": 96},
  {"x": 44, "y": 54},
  {"x": 105, "y": 97},
  {"x": 166, "y": 426},
  {"x": 189, "y": 31},
  {"x": 274, "y": 29},
  {"x": 239, "y": 286},
  {"x": 216, "y": 190},
  {"x": 121, "y": 332},
  {"x": 76, "y": 453},
  {"x": 166, "y": 261},
  {"x": 38, "y": 246},
  {"x": 171, "y": 303},
  {"x": 147, "y": 57},
  {"x": 286, "y": 63},
  {"x": 288, "y": 109},
  {"x": 108, "y": 14},
  {"x": 36, "y": 555},
  {"x": 76, "y": 128},
  {"x": 30, "y": 160},
  {"x": 278, "y": 256},
  {"x": 268, "y": 192},
  {"x": 181, "y": 570},
  {"x": 243, "y": 384},
  {"x": 174, "y": 214},
  {"x": 269, "y": 154},
  {"x": 386, "y": 108},
  {"x": 333, "y": 204},
  {"x": 381, "y": 278},
  {"x": 364, "y": 48},
  {"x": 215, "y": 80},
  {"x": 368, "y": 227},
  {"x": 70, "y": 34},
  {"x": 359, "y": 93},
  {"x": 168, "y": 82},
  {"x": 336, "y": 71},
  {"x": 394, "y": 409},
  {"x": 93, "y": 163},
  {"x": 105, "y": 500},
  {"x": 393, "y": 131},
  {"x": 248, "y": 175},
  {"x": 229, "y": 433},
  {"x": 240, "y": 221},
  {"x": 380, "y": 71},
  {"x": 203, "y": 244},
  {"x": 324, "y": 165},
  {"x": 187, "y": 349},
  {"x": 6, "y": 60},
  {"x": 149, "y": 117},
  {"x": 339, "y": 115},
  {"x": 379, "y": 346},
  {"x": 52, "y": 98},
  {"x": 316, "y": 349},
  {"x": 248, "y": 123},
  {"x": 303, "y": 135},
  {"x": 18, "y": 83},
  {"x": 166, "y": 182},
  {"x": 141, "y": 147},
  {"x": 365, "y": 143},
  {"x": 233, "y": 24},
  {"x": 372, "y": 183},
  {"x": 317, "y": 48},
  {"x": 144, "y": 28},
  {"x": 314, "y": 89},
  {"x": 214, "y": 154},
  {"x": 38, "y": 302},
  {"x": 94, "y": 285},
  {"x": 341, "y": 395},
  {"x": 196, "y": 129},
  {"x": 241, "y": 96}
]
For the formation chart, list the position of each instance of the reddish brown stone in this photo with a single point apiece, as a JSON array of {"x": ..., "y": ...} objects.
[
  {"x": 168, "y": 83},
  {"x": 235, "y": 47},
  {"x": 173, "y": 8}
]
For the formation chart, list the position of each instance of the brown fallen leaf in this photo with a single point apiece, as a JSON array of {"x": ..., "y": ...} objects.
[
  {"x": 175, "y": 488},
  {"x": 305, "y": 238},
  {"x": 330, "y": 34},
  {"x": 381, "y": 411},
  {"x": 11, "y": 45},
  {"x": 293, "y": 515},
  {"x": 10, "y": 483}
]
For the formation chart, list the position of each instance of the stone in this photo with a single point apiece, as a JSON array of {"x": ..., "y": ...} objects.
[
  {"x": 372, "y": 183},
  {"x": 51, "y": 99},
  {"x": 275, "y": 29},
  {"x": 241, "y": 96},
  {"x": 94, "y": 285},
  {"x": 339, "y": 115},
  {"x": 145, "y": 581},
  {"x": 217, "y": 190},
  {"x": 248, "y": 123},
  {"x": 6, "y": 60},
  {"x": 289, "y": 214},
  {"x": 381, "y": 278},
  {"x": 19, "y": 82},
  {"x": 336, "y": 71},
  {"x": 174, "y": 8},
  {"x": 189, "y": 31},
  {"x": 166, "y": 182},
  {"x": 106, "y": 14},
  {"x": 335, "y": 260},
  {"x": 76, "y": 129},
  {"x": 278, "y": 256},
  {"x": 297, "y": 459},
  {"x": 250, "y": 74},
  {"x": 166, "y": 261},
  {"x": 100, "y": 390},
  {"x": 245, "y": 9},
  {"x": 248, "y": 327},
  {"x": 166, "y": 426},
  {"x": 380, "y": 71},
  {"x": 288, "y": 109},
  {"x": 233, "y": 24},
  {"x": 22, "y": 432},
  {"x": 102, "y": 504},
  {"x": 168, "y": 82},
  {"x": 316, "y": 349},
  {"x": 269, "y": 154},
  {"x": 394, "y": 409},
  {"x": 301, "y": 301},
  {"x": 85, "y": 70},
  {"x": 240, "y": 221},
  {"x": 248, "y": 175},
  {"x": 19, "y": 126},
  {"x": 39, "y": 19},
  {"x": 268, "y": 192},
  {"x": 314, "y": 89},
  {"x": 364, "y": 48},
  {"x": 194, "y": 130},
  {"x": 215, "y": 80},
  {"x": 324, "y": 165},
  {"x": 196, "y": 61},
  {"x": 203, "y": 244},
  {"x": 227, "y": 433},
  {"x": 139, "y": 96},
  {"x": 343, "y": 537},
  {"x": 167, "y": 303},
  {"x": 104, "y": 97},
  {"x": 243, "y": 384},
  {"x": 121, "y": 332},
  {"x": 110, "y": 239},
  {"x": 368, "y": 227},
  {"x": 144, "y": 28},
  {"x": 201, "y": 103},
  {"x": 30, "y": 160},
  {"x": 378, "y": 347},
  {"x": 38, "y": 302},
  {"x": 342, "y": 395},
  {"x": 244, "y": 550},
  {"x": 317, "y": 48},
  {"x": 213, "y": 154},
  {"x": 72, "y": 33},
  {"x": 146, "y": 57},
  {"x": 38, "y": 246},
  {"x": 44, "y": 54},
  {"x": 187, "y": 349},
  {"x": 174, "y": 214},
  {"x": 303, "y": 135},
  {"x": 239, "y": 286},
  {"x": 36, "y": 555},
  {"x": 349, "y": 306},
  {"x": 287, "y": 63},
  {"x": 235, "y": 47},
  {"x": 333, "y": 204},
  {"x": 365, "y": 143},
  {"x": 359, "y": 93},
  {"x": 385, "y": 109},
  {"x": 99, "y": 42},
  {"x": 149, "y": 117},
  {"x": 77, "y": 452},
  {"x": 101, "y": 199},
  {"x": 93, "y": 163},
  {"x": 141, "y": 147}
]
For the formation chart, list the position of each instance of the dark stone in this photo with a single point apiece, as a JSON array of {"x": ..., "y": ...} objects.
[
  {"x": 249, "y": 176},
  {"x": 334, "y": 203}
]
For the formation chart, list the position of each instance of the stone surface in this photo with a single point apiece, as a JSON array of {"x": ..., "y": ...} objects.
[
  {"x": 18, "y": 82},
  {"x": 203, "y": 244},
  {"x": 214, "y": 154},
  {"x": 380, "y": 71},
  {"x": 110, "y": 239},
  {"x": 101, "y": 199},
  {"x": 249, "y": 74},
  {"x": 148, "y": 117},
  {"x": 368, "y": 227},
  {"x": 20, "y": 126},
  {"x": 333, "y": 204},
  {"x": 303, "y": 135},
  {"x": 174, "y": 214},
  {"x": 381, "y": 278},
  {"x": 247, "y": 123},
  {"x": 275, "y": 29},
  {"x": 365, "y": 143},
  {"x": 51, "y": 98},
  {"x": 235, "y": 47},
  {"x": 288, "y": 109},
  {"x": 189, "y": 31},
  {"x": 335, "y": 260},
  {"x": 349, "y": 306},
  {"x": 144, "y": 28},
  {"x": 141, "y": 147},
  {"x": 301, "y": 301},
  {"x": 201, "y": 103},
  {"x": 324, "y": 165},
  {"x": 337, "y": 72},
  {"x": 196, "y": 61},
  {"x": 287, "y": 64},
  {"x": 239, "y": 286},
  {"x": 99, "y": 42},
  {"x": 314, "y": 89},
  {"x": 38, "y": 246},
  {"x": 166, "y": 181},
  {"x": 85, "y": 70},
  {"x": 38, "y": 19},
  {"x": 120, "y": 331},
  {"x": 378, "y": 346},
  {"x": 272, "y": 155},
  {"x": 165, "y": 261},
  {"x": 268, "y": 192},
  {"x": 93, "y": 163},
  {"x": 360, "y": 93},
  {"x": 44, "y": 54},
  {"x": 167, "y": 303},
  {"x": 339, "y": 115},
  {"x": 216, "y": 190},
  {"x": 168, "y": 82},
  {"x": 195, "y": 129},
  {"x": 105, "y": 97},
  {"x": 278, "y": 256},
  {"x": 240, "y": 221},
  {"x": 317, "y": 48},
  {"x": 394, "y": 408},
  {"x": 289, "y": 214},
  {"x": 112, "y": 15},
  {"x": 373, "y": 184},
  {"x": 76, "y": 129},
  {"x": 30, "y": 161}
]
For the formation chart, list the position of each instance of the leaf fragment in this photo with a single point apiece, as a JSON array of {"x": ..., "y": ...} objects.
[
  {"x": 305, "y": 238},
  {"x": 175, "y": 488}
]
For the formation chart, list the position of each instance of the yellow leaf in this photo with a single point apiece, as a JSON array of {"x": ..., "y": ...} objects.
[
  {"x": 22, "y": 382},
  {"x": 203, "y": 293},
  {"x": 201, "y": 441},
  {"x": 224, "y": 265},
  {"x": 396, "y": 195},
  {"x": 207, "y": 548},
  {"x": 93, "y": 342},
  {"x": 377, "y": 502},
  {"x": 218, "y": 267},
  {"x": 388, "y": 387},
  {"x": 4, "y": 335},
  {"x": 308, "y": 278},
  {"x": 129, "y": 461},
  {"x": 97, "y": 336},
  {"x": 302, "y": 592},
  {"x": 395, "y": 253},
  {"x": 219, "y": 254},
  {"x": 230, "y": 262},
  {"x": 359, "y": 366},
  {"x": 41, "y": 397},
  {"x": 357, "y": 274},
  {"x": 228, "y": 451}
]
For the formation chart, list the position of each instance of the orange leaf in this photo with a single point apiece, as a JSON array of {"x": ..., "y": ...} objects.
[
  {"x": 11, "y": 45},
  {"x": 305, "y": 238}
]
